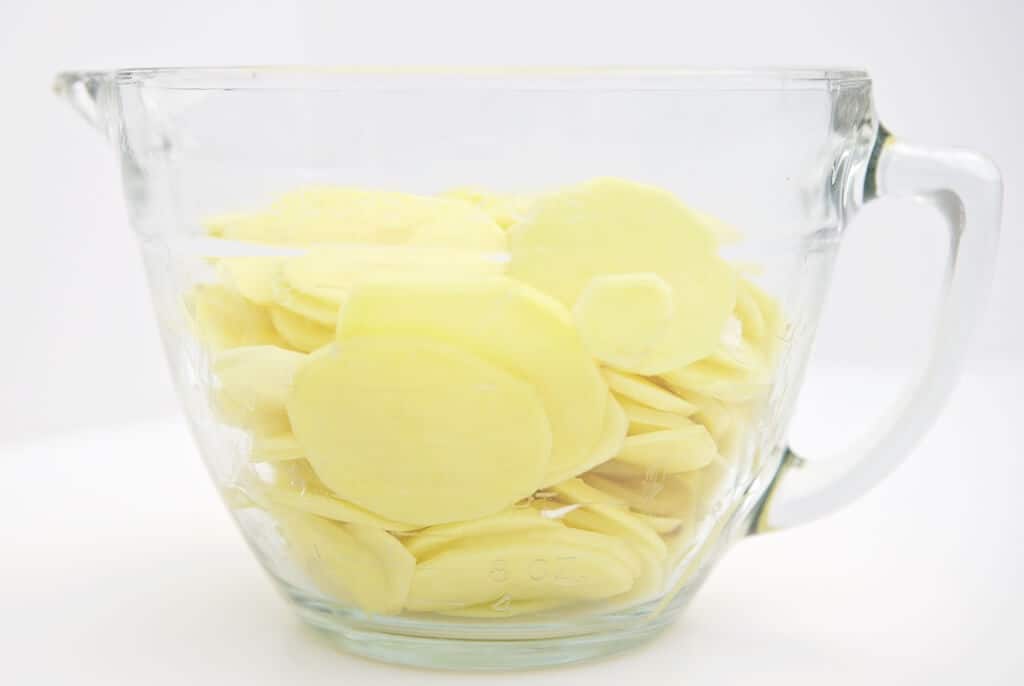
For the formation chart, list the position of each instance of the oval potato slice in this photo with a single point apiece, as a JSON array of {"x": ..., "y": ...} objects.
[
  {"x": 646, "y": 392},
  {"x": 610, "y": 226},
  {"x": 671, "y": 450},
  {"x": 419, "y": 431},
  {"x": 623, "y": 318},
  {"x": 352, "y": 563},
  {"x": 511, "y": 326}
]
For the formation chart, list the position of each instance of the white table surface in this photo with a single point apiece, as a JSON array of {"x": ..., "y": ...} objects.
[{"x": 119, "y": 566}]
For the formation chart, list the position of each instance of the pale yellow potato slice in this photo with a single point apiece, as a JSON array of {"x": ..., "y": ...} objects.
[
  {"x": 254, "y": 383},
  {"x": 511, "y": 326},
  {"x": 646, "y": 392},
  {"x": 623, "y": 318},
  {"x": 252, "y": 275},
  {"x": 433, "y": 539},
  {"x": 299, "y": 332},
  {"x": 670, "y": 450},
  {"x": 720, "y": 419},
  {"x": 644, "y": 419},
  {"x": 617, "y": 522},
  {"x": 665, "y": 496},
  {"x": 350, "y": 215},
  {"x": 296, "y": 486},
  {"x": 276, "y": 448},
  {"x": 748, "y": 311},
  {"x": 352, "y": 563},
  {"x": 320, "y": 307},
  {"x": 663, "y": 525},
  {"x": 505, "y": 209},
  {"x": 613, "y": 433},
  {"x": 610, "y": 226},
  {"x": 548, "y": 564},
  {"x": 418, "y": 430},
  {"x": 577, "y": 491},
  {"x": 717, "y": 381},
  {"x": 223, "y": 319}
]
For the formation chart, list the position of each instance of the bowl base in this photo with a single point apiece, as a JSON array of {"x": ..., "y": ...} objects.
[{"x": 405, "y": 645}]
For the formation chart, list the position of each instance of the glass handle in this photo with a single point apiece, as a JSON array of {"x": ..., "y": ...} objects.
[{"x": 967, "y": 190}]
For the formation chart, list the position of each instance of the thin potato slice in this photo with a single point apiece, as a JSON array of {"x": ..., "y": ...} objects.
[
  {"x": 643, "y": 419},
  {"x": 417, "y": 430},
  {"x": 224, "y": 319},
  {"x": 352, "y": 563},
  {"x": 276, "y": 448},
  {"x": 252, "y": 275},
  {"x": 646, "y": 392},
  {"x": 505, "y": 209},
  {"x": 613, "y": 433},
  {"x": 504, "y": 607},
  {"x": 300, "y": 333},
  {"x": 550, "y": 564},
  {"x": 610, "y": 226},
  {"x": 717, "y": 381},
  {"x": 297, "y": 487},
  {"x": 351, "y": 215},
  {"x": 433, "y": 539},
  {"x": 623, "y": 318},
  {"x": 670, "y": 450},
  {"x": 509, "y": 325},
  {"x": 254, "y": 385},
  {"x": 665, "y": 496}
]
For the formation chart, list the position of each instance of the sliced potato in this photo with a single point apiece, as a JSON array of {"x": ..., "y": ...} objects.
[
  {"x": 670, "y": 450},
  {"x": 254, "y": 385},
  {"x": 224, "y": 319},
  {"x": 352, "y": 563},
  {"x": 613, "y": 433},
  {"x": 276, "y": 448},
  {"x": 665, "y": 496},
  {"x": 418, "y": 430},
  {"x": 252, "y": 275},
  {"x": 350, "y": 215},
  {"x": 643, "y": 419},
  {"x": 548, "y": 564},
  {"x": 610, "y": 226},
  {"x": 433, "y": 539},
  {"x": 296, "y": 486},
  {"x": 623, "y": 318},
  {"x": 646, "y": 392},
  {"x": 505, "y": 209},
  {"x": 509, "y": 325},
  {"x": 300, "y": 332}
]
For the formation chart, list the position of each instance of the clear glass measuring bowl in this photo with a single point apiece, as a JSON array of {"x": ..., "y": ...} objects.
[{"x": 490, "y": 366}]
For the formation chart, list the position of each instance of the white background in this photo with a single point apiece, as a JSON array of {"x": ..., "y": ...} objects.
[{"x": 81, "y": 352}]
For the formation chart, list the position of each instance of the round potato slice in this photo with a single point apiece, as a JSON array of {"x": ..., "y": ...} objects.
[
  {"x": 617, "y": 522},
  {"x": 299, "y": 332},
  {"x": 417, "y": 430},
  {"x": 615, "y": 428},
  {"x": 549, "y": 564},
  {"x": 610, "y": 226},
  {"x": 277, "y": 448},
  {"x": 717, "y": 381},
  {"x": 433, "y": 539},
  {"x": 646, "y": 392},
  {"x": 670, "y": 450},
  {"x": 296, "y": 486},
  {"x": 665, "y": 496},
  {"x": 254, "y": 385},
  {"x": 351, "y": 215},
  {"x": 252, "y": 275},
  {"x": 643, "y": 419},
  {"x": 623, "y": 318},
  {"x": 352, "y": 563},
  {"x": 506, "y": 210},
  {"x": 224, "y": 319},
  {"x": 511, "y": 326}
]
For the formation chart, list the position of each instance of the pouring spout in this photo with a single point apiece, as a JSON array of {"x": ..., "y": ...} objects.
[{"x": 91, "y": 94}]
